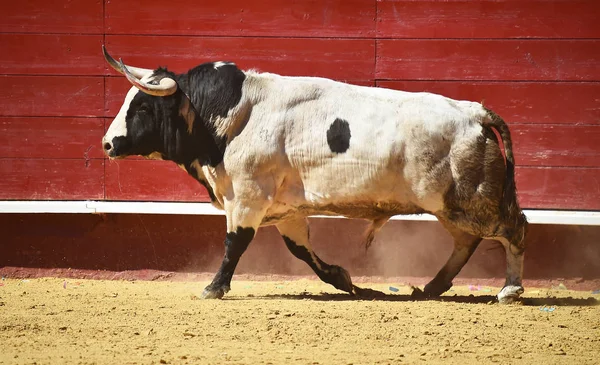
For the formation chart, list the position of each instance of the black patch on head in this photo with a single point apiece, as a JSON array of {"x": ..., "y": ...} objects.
[
  {"x": 214, "y": 92},
  {"x": 155, "y": 124},
  {"x": 338, "y": 136}
]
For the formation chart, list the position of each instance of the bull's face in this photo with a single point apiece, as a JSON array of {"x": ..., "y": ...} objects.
[{"x": 137, "y": 129}]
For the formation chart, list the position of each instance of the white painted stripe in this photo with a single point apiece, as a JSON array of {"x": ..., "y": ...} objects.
[{"x": 32, "y": 206}]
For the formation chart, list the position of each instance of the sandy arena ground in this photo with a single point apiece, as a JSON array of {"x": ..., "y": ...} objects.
[{"x": 74, "y": 321}]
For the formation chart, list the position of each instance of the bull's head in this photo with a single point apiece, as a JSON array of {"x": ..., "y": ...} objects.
[{"x": 138, "y": 128}]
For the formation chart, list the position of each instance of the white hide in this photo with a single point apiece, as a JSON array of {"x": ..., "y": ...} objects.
[
  {"x": 118, "y": 127},
  {"x": 283, "y": 146}
]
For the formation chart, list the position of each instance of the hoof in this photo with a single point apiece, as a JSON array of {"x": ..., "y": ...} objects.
[
  {"x": 418, "y": 294},
  {"x": 213, "y": 293},
  {"x": 341, "y": 279},
  {"x": 430, "y": 291},
  {"x": 509, "y": 294},
  {"x": 435, "y": 289},
  {"x": 366, "y": 293}
]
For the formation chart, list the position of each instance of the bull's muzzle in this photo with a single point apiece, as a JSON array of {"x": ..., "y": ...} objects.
[{"x": 108, "y": 147}]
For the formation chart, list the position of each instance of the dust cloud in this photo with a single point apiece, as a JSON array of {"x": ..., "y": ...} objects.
[{"x": 401, "y": 248}]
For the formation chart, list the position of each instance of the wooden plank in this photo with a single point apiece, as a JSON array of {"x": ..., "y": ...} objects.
[
  {"x": 520, "y": 102},
  {"x": 543, "y": 188},
  {"x": 50, "y": 179},
  {"x": 533, "y": 60},
  {"x": 51, "y": 54},
  {"x": 488, "y": 19},
  {"x": 62, "y": 16},
  {"x": 117, "y": 87},
  {"x": 559, "y": 188},
  {"x": 343, "y": 59},
  {"x": 303, "y": 18},
  {"x": 556, "y": 145},
  {"x": 54, "y": 96},
  {"x": 148, "y": 180},
  {"x": 51, "y": 137}
]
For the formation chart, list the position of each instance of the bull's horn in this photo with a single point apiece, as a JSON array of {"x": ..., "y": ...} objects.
[
  {"x": 167, "y": 86},
  {"x": 138, "y": 72}
]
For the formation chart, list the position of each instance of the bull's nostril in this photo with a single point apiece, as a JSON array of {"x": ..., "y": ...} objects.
[{"x": 107, "y": 146}]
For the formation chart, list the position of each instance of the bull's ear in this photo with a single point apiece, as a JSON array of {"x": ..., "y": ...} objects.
[{"x": 188, "y": 112}]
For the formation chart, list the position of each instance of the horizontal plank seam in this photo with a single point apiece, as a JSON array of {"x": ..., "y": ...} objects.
[
  {"x": 91, "y": 76},
  {"x": 496, "y": 81},
  {"x": 337, "y": 37},
  {"x": 58, "y": 158},
  {"x": 530, "y": 123},
  {"x": 539, "y": 81},
  {"x": 51, "y": 33},
  {"x": 55, "y": 116},
  {"x": 577, "y": 167},
  {"x": 553, "y": 124},
  {"x": 352, "y": 37},
  {"x": 562, "y": 167},
  {"x": 525, "y": 38}
]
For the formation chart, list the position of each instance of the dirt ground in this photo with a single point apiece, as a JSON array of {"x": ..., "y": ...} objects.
[{"x": 71, "y": 321}]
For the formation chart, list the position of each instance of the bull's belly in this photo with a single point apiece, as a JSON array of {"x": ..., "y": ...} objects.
[
  {"x": 366, "y": 198},
  {"x": 360, "y": 209},
  {"x": 354, "y": 190}
]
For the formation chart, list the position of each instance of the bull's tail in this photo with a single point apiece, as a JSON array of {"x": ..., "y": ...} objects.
[{"x": 509, "y": 195}]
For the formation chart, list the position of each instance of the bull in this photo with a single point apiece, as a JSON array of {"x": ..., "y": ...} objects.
[{"x": 274, "y": 150}]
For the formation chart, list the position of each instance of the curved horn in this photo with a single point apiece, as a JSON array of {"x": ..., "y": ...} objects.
[
  {"x": 138, "y": 72},
  {"x": 167, "y": 86}
]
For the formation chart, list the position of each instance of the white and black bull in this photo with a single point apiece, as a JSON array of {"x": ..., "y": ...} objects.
[{"x": 273, "y": 150}]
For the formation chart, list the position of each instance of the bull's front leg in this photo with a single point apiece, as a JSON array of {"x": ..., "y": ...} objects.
[
  {"x": 244, "y": 216},
  {"x": 236, "y": 243}
]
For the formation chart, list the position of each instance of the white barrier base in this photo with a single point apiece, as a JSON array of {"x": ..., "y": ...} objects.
[{"x": 533, "y": 216}]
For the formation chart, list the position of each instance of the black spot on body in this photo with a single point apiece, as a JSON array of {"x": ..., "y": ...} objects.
[{"x": 338, "y": 136}]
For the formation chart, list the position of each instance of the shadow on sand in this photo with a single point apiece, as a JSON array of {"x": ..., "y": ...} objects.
[{"x": 369, "y": 294}]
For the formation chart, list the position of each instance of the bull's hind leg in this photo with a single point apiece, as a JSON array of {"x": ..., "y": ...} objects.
[
  {"x": 464, "y": 246},
  {"x": 295, "y": 233},
  {"x": 513, "y": 286},
  {"x": 513, "y": 241}
]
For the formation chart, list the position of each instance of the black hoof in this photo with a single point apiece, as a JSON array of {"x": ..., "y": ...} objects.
[
  {"x": 340, "y": 279},
  {"x": 435, "y": 289},
  {"x": 417, "y": 294},
  {"x": 366, "y": 293}
]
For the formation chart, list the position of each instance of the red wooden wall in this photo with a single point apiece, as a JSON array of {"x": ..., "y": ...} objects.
[{"x": 535, "y": 62}]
